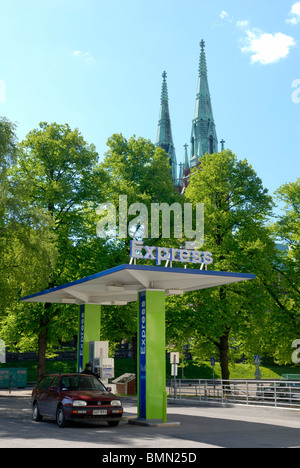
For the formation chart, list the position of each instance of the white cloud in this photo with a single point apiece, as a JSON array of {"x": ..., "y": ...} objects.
[
  {"x": 267, "y": 48},
  {"x": 295, "y": 14},
  {"x": 242, "y": 24},
  {"x": 86, "y": 56},
  {"x": 224, "y": 14}
]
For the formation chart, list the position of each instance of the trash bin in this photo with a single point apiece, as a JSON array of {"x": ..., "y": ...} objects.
[
  {"x": 126, "y": 384},
  {"x": 4, "y": 378},
  {"x": 13, "y": 377}
]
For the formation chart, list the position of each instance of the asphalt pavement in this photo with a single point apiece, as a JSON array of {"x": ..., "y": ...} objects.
[{"x": 200, "y": 427}]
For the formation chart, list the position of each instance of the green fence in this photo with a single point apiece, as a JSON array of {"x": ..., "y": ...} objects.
[{"x": 13, "y": 377}]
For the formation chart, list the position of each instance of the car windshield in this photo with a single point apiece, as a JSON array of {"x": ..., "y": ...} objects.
[{"x": 81, "y": 382}]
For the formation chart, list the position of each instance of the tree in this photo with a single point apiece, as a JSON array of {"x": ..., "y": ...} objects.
[
  {"x": 8, "y": 143},
  {"x": 287, "y": 293},
  {"x": 141, "y": 171},
  {"x": 138, "y": 169},
  {"x": 236, "y": 210},
  {"x": 24, "y": 237},
  {"x": 64, "y": 182},
  {"x": 287, "y": 227},
  {"x": 8, "y": 149}
]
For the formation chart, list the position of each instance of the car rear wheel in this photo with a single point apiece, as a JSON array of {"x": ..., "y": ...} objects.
[
  {"x": 60, "y": 417},
  {"x": 36, "y": 416}
]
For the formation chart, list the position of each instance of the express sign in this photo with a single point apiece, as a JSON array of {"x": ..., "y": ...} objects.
[{"x": 150, "y": 252}]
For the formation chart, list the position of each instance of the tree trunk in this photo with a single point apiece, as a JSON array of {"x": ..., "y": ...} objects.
[
  {"x": 224, "y": 350},
  {"x": 42, "y": 346},
  {"x": 42, "y": 343},
  {"x": 224, "y": 342}
]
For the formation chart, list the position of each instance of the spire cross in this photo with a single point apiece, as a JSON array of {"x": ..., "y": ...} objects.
[
  {"x": 202, "y": 62},
  {"x": 164, "y": 75},
  {"x": 222, "y": 143}
]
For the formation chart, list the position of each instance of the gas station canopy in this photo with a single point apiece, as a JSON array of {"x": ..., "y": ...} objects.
[{"x": 120, "y": 285}]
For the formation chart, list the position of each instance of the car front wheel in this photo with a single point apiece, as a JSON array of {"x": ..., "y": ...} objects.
[{"x": 60, "y": 417}]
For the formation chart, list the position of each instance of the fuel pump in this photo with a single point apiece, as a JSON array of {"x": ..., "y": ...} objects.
[{"x": 103, "y": 366}]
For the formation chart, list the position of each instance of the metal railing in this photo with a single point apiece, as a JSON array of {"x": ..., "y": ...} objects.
[{"x": 277, "y": 393}]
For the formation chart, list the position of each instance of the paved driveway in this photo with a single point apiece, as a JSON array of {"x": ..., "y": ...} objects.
[{"x": 201, "y": 427}]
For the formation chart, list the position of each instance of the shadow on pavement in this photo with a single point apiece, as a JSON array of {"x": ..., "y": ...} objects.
[{"x": 17, "y": 429}]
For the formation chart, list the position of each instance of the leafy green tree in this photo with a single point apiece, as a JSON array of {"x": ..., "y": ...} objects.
[
  {"x": 287, "y": 227},
  {"x": 27, "y": 248},
  {"x": 8, "y": 149},
  {"x": 64, "y": 182},
  {"x": 236, "y": 210},
  {"x": 286, "y": 295},
  {"x": 141, "y": 171}
]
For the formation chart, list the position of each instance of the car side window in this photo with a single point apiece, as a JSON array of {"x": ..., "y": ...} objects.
[
  {"x": 54, "y": 383},
  {"x": 44, "y": 385},
  {"x": 65, "y": 383}
]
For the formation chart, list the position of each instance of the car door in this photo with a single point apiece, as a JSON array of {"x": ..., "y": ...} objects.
[
  {"x": 53, "y": 396},
  {"x": 42, "y": 394}
]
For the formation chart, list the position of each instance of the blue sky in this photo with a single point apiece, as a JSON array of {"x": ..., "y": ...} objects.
[{"x": 97, "y": 66}]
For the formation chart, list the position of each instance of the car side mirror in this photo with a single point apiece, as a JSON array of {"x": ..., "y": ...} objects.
[{"x": 108, "y": 389}]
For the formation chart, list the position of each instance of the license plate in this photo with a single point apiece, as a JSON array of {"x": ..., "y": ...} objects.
[{"x": 99, "y": 412}]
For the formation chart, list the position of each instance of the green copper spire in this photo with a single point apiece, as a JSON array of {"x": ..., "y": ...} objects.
[
  {"x": 164, "y": 134},
  {"x": 186, "y": 158},
  {"x": 180, "y": 173},
  {"x": 203, "y": 136}
]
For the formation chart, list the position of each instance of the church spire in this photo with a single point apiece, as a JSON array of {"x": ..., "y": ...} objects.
[
  {"x": 186, "y": 158},
  {"x": 164, "y": 133},
  {"x": 203, "y": 136}
]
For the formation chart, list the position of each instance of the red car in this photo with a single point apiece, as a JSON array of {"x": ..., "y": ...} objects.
[{"x": 74, "y": 397}]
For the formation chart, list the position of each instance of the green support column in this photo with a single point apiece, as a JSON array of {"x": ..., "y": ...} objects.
[
  {"x": 151, "y": 356},
  {"x": 89, "y": 330}
]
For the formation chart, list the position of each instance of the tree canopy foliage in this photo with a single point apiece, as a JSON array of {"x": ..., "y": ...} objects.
[{"x": 51, "y": 184}]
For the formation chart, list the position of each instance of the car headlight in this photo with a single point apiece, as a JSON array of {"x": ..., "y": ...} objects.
[
  {"x": 116, "y": 403},
  {"x": 79, "y": 403}
]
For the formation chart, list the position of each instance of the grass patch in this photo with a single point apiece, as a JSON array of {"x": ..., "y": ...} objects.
[{"x": 237, "y": 371}]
